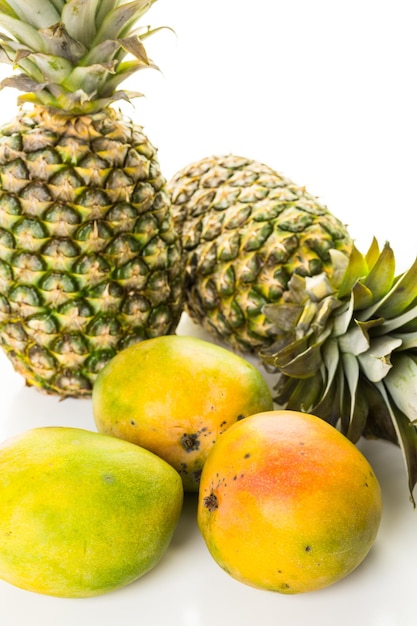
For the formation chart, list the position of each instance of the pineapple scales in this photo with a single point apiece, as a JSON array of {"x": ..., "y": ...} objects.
[
  {"x": 245, "y": 230},
  {"x": 89, "y": 259},
  {"x": 270, "y": 271}
]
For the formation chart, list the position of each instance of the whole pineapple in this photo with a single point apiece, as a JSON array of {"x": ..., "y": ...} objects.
[
  {"x": 271, "y": 271},
  {"x": 89, "y": 259},
  {"x": 245, "y": 231}
]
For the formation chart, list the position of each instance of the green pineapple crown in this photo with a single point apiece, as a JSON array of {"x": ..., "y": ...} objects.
[
  {"x": 346, "y": 348},
  {"x": 72, "y": 55}
]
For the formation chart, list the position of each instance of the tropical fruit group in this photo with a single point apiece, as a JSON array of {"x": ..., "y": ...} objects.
[
  {"x": 174, "y": 395},
  {"x": 287, "y": 503},
  {"x": 90, "y": 261},
  {"x": 82, "y": 514},
  {"x": 270, "y": 270}
]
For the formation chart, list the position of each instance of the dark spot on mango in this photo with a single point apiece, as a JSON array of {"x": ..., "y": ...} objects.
[
  {"x": 108, "y": 478},
  {"x": 190, "y": 442},
  {"x": 308, "y": 548},
  {"x": 223, "y": 423},
  {"x": 247, "y": 455},
  {"x": 211, "y": 502},
  {"x": 132, "y": 423},
  {"x": 197, "y": 475},
  {"x": 240, "y": 417},
  {"x": 183, "y": 469}
]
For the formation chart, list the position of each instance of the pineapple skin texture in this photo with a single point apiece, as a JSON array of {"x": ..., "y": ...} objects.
[
  {"x": 90, "y": 262},
  {"x": 245, "y": 230}
]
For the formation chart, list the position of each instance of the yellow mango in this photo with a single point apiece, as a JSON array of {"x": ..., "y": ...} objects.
[
  {"x": 174, "y": 395},
  {"x": 81, "y": 513},
  {"x": 287, "y": 503}
]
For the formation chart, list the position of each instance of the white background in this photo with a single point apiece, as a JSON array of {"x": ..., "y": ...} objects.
[{"x": 324, "y": 92}]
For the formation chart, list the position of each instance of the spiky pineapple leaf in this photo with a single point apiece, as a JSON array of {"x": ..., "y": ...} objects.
[
  {"x": 355, "y": 341},
  {"x": 53, "y": 69},
  {"x": 105, "y": 7},
  {"x": 343, "y": 317},
  {"x": 357, "y": 268},
  {"x": 22, "y": 32},
  {"x": 6, "y": 9},
  {"x": 88, "y": 79},
  {"x": 407, "y": 322},
  {"x": 305, "y": 364},
  {"x": 327, "y": 406},
  {"x": 58, "y": 4},
  {"x": 408, "y": 339},
  {"x": 124, "y": 70},
  {"x": 331, "y": 354},
  {"x": 284, "y": 315},
  {"x": 300, "y": 394},
  {"x": 382, "y": 273},
  {"x": 372, "y": 254},
  {"x": 401, "y": 296},
  {"x": 79, "y": 19},
  {"x": 351, "y": 373},
  {"x": 362, "y": 295},
  {"x": 359, "y": 413},
  {"x": 37, "y": 13},
  {"x": 103, "y": 52},
  {"x": 94, "y": 36},
  {"x": 406, "y": 438},
  {"x": 22, "y": 82},
  {"x": 309, "y": 390},
  {"x": 134, "y": 46},
  {"x": 376, "y": 360},
  {"x": 118, "y": 21},
  {"x": 401, "y": 383},
  {"x": 287, "y": 352},
  {"x": 57, "y": 42}
]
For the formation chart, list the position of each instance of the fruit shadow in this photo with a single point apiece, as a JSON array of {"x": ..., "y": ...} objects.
[
  {"x": 30, "y": 408},
  {"x": 387, "y": 462},
  {"x": 187, "y": 528}
]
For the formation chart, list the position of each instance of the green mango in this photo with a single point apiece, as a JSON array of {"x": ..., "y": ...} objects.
[{"x": 82, "y": 513}]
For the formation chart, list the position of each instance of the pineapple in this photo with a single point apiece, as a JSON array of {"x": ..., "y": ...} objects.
[
  {"x": 245, "y": 231},
  {"x": 89, "y": 259},
  {"x": 270, "y": 271}
]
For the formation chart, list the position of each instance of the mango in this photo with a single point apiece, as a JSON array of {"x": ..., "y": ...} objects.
[
  {"x": 287, "y": 503},
  {"x": 82, "y": 514},
  {"x": 174, "y": 395}
]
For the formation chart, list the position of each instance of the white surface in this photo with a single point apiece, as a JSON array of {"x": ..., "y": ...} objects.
[{"x": 324, "y": 92}]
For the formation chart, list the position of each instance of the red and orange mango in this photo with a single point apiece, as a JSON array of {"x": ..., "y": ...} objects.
[{"x": 287, "y": 503}]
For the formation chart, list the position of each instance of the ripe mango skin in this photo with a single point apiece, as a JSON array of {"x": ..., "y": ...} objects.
[
  {"x": 174, "y": 395},
  {"x": 287, "y": 503},
  {"x": 81, "y": 513}
]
